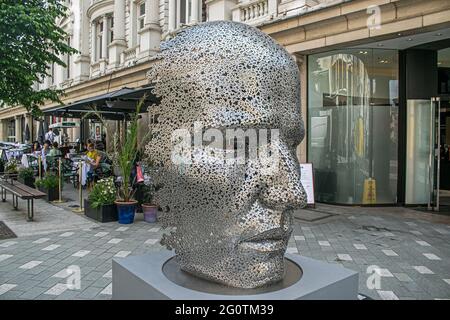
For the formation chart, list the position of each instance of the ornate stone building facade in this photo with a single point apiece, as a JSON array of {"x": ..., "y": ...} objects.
[
  {"x": 340, "y": 46},
  {"x": 117, "y": 39}
]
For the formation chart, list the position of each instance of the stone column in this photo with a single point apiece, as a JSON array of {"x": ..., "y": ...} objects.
[
  {"x": 301, "y": 63},
  {"x": 18, "y": 128},
  {"x": 172, "y": 15},
  {"x": 195, "y": 9},
  {"x": 273, "y": 8},
  {"x": 105, "y": 37},
  {"x": 103, "y": 61},
  {"x": 151, "y": 33},
  {"x": 81, "y": 61},
  {"x": 93, "y": 43},
  {"x": 3, "y": 136},
  {"x": 59, "y": 72},
  {"x": 118, "y": 44},
  {"x": 75, "y": 132},
  {"x": 29, "y": 122},
  {"x": 223, "y": 10}
]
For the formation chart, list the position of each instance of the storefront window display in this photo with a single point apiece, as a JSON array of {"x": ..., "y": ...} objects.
[{"x": 353, "y": 125}]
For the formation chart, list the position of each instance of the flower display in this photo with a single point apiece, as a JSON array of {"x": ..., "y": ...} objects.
[{"x": 103, "y": 193}]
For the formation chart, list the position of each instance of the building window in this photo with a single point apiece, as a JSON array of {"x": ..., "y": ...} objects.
[
  {"x": 141, "y": 15},
  {"x": 111, "y": 29},
  {"x": 100, "y": 50},
  {"x": 99, "y": 39},
  {"x": 353, "y": 125},
  {"x": 184, "y": 12},
  {"x": 11, "y": 129}
]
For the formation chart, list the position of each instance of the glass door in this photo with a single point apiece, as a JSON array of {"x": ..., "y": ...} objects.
[
  {"x": 423, "y": 153},
  {"x": 435, "y": 156}
]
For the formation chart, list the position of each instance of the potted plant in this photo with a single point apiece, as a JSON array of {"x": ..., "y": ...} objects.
[
  {"x": 49, "y": 184},
  {"x": 100, "y": 203},
  {"x": 124, "y": 157},
  {"x": 149, "y": 208},
  {"x": 11, "y": 168},
  {"x": 26, "y": 176}
]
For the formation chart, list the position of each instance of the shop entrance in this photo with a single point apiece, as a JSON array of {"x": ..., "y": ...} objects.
[
  {"x": 442, "y": 176},
  {"x": 427, "y": 148},
  {"x": 428, "y": 153}
]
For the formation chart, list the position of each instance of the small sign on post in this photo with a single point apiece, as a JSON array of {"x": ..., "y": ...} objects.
[{"x": 307, "y": 180}]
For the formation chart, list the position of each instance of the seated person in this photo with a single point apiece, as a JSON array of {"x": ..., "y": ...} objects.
[
  {"x": 93, "y": 155},
  {"x": 88, "y": 142},
  {"x": 36, "y": 147},
  {"x": 46, "y": 148},
  {"x": 54, "y": 152}
]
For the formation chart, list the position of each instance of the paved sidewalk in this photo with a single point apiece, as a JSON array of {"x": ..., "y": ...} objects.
[
  {"x": 412, "y": 250},
  {"x": 48, "y": 217}
]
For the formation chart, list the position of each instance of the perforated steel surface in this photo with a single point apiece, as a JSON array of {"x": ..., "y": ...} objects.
[{"x": 233, "y": 219}]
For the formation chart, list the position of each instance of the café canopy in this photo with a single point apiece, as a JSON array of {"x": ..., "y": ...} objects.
[{"x": 115, "y": 105}]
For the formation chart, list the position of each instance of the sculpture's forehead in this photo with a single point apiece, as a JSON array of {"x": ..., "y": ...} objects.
[
  {"x": 228, "y": 74},
  {"x": 213, "y": 43}
]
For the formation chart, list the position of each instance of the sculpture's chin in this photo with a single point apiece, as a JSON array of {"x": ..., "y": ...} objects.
[{"x": 241, "y": 274}]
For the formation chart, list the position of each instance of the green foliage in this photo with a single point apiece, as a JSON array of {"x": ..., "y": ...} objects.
[
  {"x": 103, "y": 193},
  {"x": 30, "y": 42},
  {"x": 49, "y": 181},
  {"x": 125, "y": 154},
  {"x": 11, "y": 166},
  {"x": 148, "y": 192},
  {"x": 26, "y": 173}
]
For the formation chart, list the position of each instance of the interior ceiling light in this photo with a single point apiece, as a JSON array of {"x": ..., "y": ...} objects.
[{"x": 439, "y": 34}]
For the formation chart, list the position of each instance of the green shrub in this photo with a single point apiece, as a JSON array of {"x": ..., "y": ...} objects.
[
  {"x": 103, "y": 193},
  {"x": 26, "y": 173},
  {"x": 49, "y": 181},
  {"x": 11, "y": 166},
  {"x": 148, "y": 192}
]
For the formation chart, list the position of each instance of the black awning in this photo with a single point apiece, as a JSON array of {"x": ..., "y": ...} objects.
[{"x": 115, "y": 105}]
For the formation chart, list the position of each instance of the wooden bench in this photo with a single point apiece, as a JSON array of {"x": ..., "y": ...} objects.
[{"x": 19, "y": 190}]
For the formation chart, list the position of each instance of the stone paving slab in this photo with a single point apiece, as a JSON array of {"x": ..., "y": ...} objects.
[{"x": 376, "y": 242}]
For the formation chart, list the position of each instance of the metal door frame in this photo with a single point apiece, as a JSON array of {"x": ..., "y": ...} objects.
[{"x": 435, "y": 155}]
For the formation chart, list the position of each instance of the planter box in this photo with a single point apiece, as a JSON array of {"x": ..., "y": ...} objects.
[
  {"x": 106, "y": 213},
  {"x": 28, "y": 182},
  {"x": 52, "y": 194}
]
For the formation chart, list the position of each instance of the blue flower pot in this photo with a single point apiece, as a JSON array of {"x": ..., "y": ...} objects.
[{"x": 126, "y": 211}]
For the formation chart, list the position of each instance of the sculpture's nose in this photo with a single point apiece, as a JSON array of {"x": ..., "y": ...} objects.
[{"x": 281, "y": 188}]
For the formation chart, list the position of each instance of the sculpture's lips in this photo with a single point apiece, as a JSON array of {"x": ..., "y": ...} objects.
[
  {"x": 272, "y": 234},
  {"x": 264, "y": 245},
  {"x": 270, "y": 240}
]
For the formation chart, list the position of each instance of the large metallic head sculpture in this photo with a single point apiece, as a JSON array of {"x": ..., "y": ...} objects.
[{"x": 231, "y": 211}]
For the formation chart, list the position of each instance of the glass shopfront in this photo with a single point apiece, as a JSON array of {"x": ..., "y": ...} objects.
[{"x": 353, "y": 125}]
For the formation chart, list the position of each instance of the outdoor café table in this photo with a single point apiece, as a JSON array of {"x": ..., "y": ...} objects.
[
  {"x": 25, "y": 162},
  {"x": 73, "y": 156},
  {"x": 86, "y": 168},
  {"x": 13, "y": 153}
]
